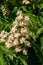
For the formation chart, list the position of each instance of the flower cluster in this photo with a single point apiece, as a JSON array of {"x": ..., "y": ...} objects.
[
  {"x": 18, "y": 35},
  {"x": 3, "y": 36},
  {"x": 4, "y": 10}
]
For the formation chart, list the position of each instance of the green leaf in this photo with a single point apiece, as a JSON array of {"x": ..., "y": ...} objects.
[
  {"x": 41, "y": 19},
  {"x": 41, "y": 5},
  {"x": 23, "y": 61},
  {"x": 1, "y": 58},
  {"x": 41, "y": 41},
  {"x": 7, "y": 52},
  {"x": 15, "y": 9},
  {"x": 24, "y": 8},
  {"x": 39, "y": 32},
  {"x": 38, "y": 51}
]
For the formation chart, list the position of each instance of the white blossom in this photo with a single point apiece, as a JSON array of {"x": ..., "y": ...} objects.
[
  {"x": 22, "y": 40},
  {"x": 26, "y": 18},
  {"x": 11, "y": 37},
  {"x": 16, "y": 42},
  {"x": 8, "y": 44},
  {"x": 4, "y": 10},
  {"x": 3, "y": 36},
  {"x": 19, "y": 12},
  {"x": 15, "y": 23},
  {"x": 27, "y": 43},
  {"x": 2, "y": 40},
  {"x": 27, "y": 36},
  {"x": 16, "y": 35},
  {"x": 13, "y": 30},
  {"x": 19, "y": 18},
  {"x": 25, "y": 51},
  {"x": 18, "y": 49},
  {"x": 25, "y": 2},
  {"x": 24, "y": 30},
  {"x": 23, "y": 23}
]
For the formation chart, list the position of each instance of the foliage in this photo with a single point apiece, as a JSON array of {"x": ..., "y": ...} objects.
[{"x": 34, "y": 10}]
